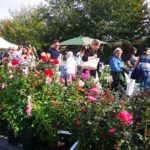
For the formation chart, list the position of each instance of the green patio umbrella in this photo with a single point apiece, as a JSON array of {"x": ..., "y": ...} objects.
[{"x": 81, "y": 40}]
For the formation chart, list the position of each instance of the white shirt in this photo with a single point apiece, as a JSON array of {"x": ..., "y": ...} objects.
[
  {"x": 79, "y": 58},
  {"x": 71, "y": 66}
]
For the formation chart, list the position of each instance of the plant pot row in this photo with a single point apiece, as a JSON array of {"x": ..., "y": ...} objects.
[{"x": 33, "y": 143}]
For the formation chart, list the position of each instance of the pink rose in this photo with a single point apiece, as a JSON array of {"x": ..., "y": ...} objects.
[
  {"x": 62, "y": 80},
  {"x": 48, "y": 80},
  {"x": 3, "y": 85},
  {"x": 95, "y": 90},
  {"x": 29, "y": 106},
  {"x": 11, "y": 76},
  {"x": 89, "y": 94},
  {"x": 73, "y": 77},
  {"x": 92, "y": 99},
  {"x": 125, "y": 117},
  {"x": 85, "y": 75},
  {"x": 112, "y": 130},
  {"x": 28, "y": 112},
  {"x": 87, "y": 71}
]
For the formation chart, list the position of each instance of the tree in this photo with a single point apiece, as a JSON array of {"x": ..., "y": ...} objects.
[
  {"x": 108, "y": 20},
  {"x": 26, "y": 26}
]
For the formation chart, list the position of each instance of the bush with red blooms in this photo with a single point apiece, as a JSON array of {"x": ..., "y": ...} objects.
[
  {"x": 49, "y": 73},
  {"x": 126, "y": 118},
  {"x": 99, "y": 118},
  {"x": 55, "y": 61},
  {"x": 15, "y": 62},
  {"x": 25, "y": 57},
  {"x": 44, "y": 58}
]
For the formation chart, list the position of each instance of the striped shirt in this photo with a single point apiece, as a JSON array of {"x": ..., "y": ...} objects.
[{"x": 144, "y": 65}]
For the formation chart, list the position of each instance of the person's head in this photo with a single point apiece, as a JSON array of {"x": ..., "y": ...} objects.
[
  {"x": 55, "y": 44},
  {"x": 69, "y": 54},
  {"x": 6, "y": 54},
  {"x": 29, "y": 51},
  {"x": 118, "y": 52},
  {"x": 13, "y": 51},
  {"x": 20, "y": 48},
  {"x": 146, "y": 51},
  {"x": 24, "y": 51},
  {"x": 83, "y": 49},
  {"x": 133, "y": 51},
  {"x": 95, "y": 45}
]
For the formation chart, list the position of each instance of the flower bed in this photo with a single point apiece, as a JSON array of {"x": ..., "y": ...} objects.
[{"x": 37, "y": 105}]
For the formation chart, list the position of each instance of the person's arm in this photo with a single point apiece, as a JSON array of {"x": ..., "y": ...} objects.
[
  {"x": 114, "y": 66},
  {"x": 137, "y": 62}
]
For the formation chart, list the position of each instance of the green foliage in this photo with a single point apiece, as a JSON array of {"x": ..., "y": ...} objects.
[
  {"x": 108, "y": 20},
  {"x": 57, "y": 108}
]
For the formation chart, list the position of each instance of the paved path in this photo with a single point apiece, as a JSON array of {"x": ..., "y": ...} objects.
[{"x": 5, "y": 146}]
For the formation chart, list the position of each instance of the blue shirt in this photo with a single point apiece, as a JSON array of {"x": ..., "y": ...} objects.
[
  {"x": 116, "y": 64},
  {"x": 53, "y": 52}
]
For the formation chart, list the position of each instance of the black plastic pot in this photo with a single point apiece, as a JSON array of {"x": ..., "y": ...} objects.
[
  {"x": 3, "y": 127},
  {"x": 11, "y": 139},
  {"x": 29, "y": 143}
]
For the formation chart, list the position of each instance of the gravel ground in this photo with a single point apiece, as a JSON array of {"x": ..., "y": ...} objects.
[{"x": 4, "y": 145}]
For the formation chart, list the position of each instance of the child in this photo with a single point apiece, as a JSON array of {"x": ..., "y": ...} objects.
[{"x": 70, "y": 66}]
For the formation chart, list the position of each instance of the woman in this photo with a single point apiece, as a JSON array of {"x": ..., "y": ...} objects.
[
  {"x": 92, "y": 54},
  {"x": 116, "y": 65},
  {"x": 132, "y": 59},
  {"x": 144, "y": 66}
]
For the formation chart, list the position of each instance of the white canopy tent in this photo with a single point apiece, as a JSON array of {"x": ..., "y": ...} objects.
[{"x": 5, "y": 44}]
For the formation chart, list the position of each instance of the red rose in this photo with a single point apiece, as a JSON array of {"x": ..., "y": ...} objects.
[
  {"x": 73, "y": 77},
  {"x": 84, "y": 108},
  {"x": 25, "y": 57},
  {"x": 44, "y": 58},
  {"x": 112, "y": 130},
  {"x": 49, "y": 73},
  {"x": 125, "y": 117},
  {"x": 78, "y": 122},
  {"x": 15, "y": 62},
  {"x": 55, "y": 62}
]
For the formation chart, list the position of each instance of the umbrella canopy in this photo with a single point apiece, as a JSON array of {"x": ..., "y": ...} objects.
[
  {"x": 81, "y": 40},
  {"x": 6, "y": 44}
]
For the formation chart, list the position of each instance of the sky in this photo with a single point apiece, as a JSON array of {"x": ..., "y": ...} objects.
[{"x": 6, "y": 5}]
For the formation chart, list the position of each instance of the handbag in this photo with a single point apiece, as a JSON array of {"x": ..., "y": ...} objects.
[
  {"x": 136, "y": 73},
  {"x": 130, "y": 87},
  {"x": 90, "y": 64}
]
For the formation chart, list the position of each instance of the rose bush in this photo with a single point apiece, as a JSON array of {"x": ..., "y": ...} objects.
[{"x": 39, "y": 105}]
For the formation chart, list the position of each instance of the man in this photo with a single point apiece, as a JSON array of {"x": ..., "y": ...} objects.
[{"x": 54, "y": 50}]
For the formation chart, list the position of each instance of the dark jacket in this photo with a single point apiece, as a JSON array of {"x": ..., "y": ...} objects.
[{"x": 88, "y": 53}]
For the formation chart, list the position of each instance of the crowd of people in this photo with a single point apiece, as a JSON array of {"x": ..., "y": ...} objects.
[
  {"x": 23, "y": 55},
  {"x": 70, "y": 65}
]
